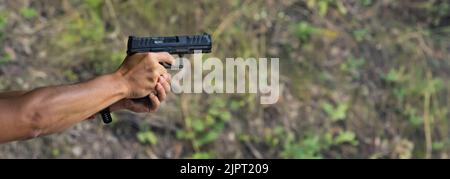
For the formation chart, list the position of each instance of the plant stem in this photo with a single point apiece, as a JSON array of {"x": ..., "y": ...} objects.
[{"x": 427, "y": 123}]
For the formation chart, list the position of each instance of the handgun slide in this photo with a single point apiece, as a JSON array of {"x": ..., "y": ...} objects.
[{"x": 174, "y": 45}]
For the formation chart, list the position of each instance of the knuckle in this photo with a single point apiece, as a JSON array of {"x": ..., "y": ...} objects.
[
  {"x": 163, "y": 71},
  {"x": 165, "y": 53},
  {"x": 150, "y": 60},
  {"x": 172, "y": 59},
  {"x": 167, "y": 87},
  {"x": 147, "y": 57},
  {"x": 165, "y": 82},
  {"x": 169, "y": 78}
]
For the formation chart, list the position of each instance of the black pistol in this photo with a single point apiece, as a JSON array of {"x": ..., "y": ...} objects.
[{"x": 179, "y": 45}]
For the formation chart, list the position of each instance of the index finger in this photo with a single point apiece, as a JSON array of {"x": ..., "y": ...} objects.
[{"x": 138, "y": 55}]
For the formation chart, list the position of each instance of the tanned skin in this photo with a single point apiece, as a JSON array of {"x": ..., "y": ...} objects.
[{"x": 47, "y": 110}]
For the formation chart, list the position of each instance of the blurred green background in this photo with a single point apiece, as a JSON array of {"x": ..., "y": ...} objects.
[{"x": 361, "y": 78}]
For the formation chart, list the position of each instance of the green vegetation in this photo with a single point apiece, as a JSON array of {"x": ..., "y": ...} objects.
[
  {"x": 336, "y": 113},
  {"x": 28, "y": 13},
  {"x": 147, "y": 137},
  {"x": 361, "y": 78},
  {"x": 203, "y": 130}
]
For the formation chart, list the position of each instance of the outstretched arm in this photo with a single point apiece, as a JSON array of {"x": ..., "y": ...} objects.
[
  {"x": 52, "y": 109},
  {"x": 162, "y": 88}
]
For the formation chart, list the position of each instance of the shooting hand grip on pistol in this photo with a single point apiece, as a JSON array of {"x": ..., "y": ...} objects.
[
  {"x": 141, "y": 73},
  {"x": 178, "y": 45}
]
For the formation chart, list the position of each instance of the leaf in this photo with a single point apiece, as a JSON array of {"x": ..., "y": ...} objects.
[
  {"x": 70, "y": 75},
  {"x": 311, "y": 3},
  {"x": 341, "y": 112},
  {"x": 395, "y": 75},
  {"x": 235, "y": 105},
  {"x": 433, "y": 86},
  {"x": 141, "y": 137},
  {"x": 209, "y": 137},
  {"x": 56, "y": 152},
  {"x": 352, "y": 64},
  {"x": 244, "y": 137},
  {"x": 28, "y": 12},
  {"x": 214, "y": 112},
  {"x": 336, "y": 113},
  {"x": 413, "y": 117},
  {"x": 209, "y": 120},
  {"x": 329, "y": 33},
  {"x": 219, "y": 126},
  {"x": 437, "y": 146},
  {"x": 323, "y": 7},
  {"x": 342, "y": 9},
  {"x": 304, "y": 31},
  {"x": 184, "y": 134},
  {"x": 147, "y": 137},
  {"x": 309, "y": 148},
  {"x": 3, "y": 21},
  {"x": 366, "y": 3},
  {"x": 93, "y": 3},
  {"x": 346, "y": 137},
  {"x": 225, "y": 116},
  {"x": 198, "y": 125},
  {"x": 180, "y": 134},
  {"x": 360, "y": 34},
  {"x": 202, "y": 155},
  {"x": 328, "y": 108},
  {"x": 279, "y": 130}
]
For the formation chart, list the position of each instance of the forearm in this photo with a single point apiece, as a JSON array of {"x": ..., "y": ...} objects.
[
  {"x": 52, "y": 109},
  {"x": 16, "y": 94}
]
